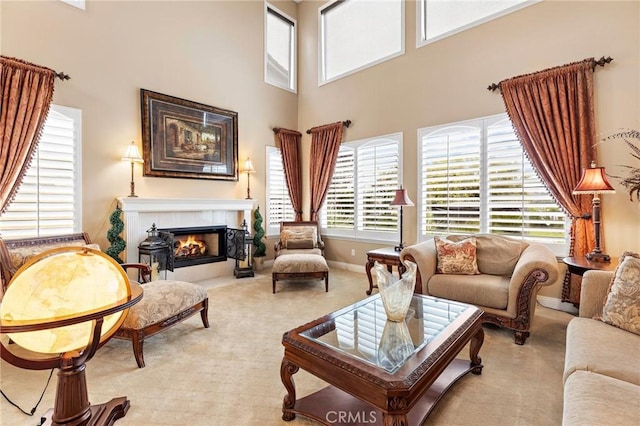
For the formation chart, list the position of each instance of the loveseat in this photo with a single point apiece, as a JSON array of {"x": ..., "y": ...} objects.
[
  {"x": 602, "y": 363},
  {"x": 509, "y": 275}
]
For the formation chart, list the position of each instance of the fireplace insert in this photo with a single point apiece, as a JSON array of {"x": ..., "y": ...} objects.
[{"x": 196, "y": 245}]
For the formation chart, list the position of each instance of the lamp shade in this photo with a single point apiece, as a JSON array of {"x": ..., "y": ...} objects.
[
  {"x": 593, "y": 181},
  {"x": 61, "y": 285},
  {"x": 132, "y": 154},
  {"x": 248, "y": 166},
  {"x": 402, "y": 198}
]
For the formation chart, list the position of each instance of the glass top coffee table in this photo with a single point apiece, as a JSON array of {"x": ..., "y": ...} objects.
[{"x": 379, "y": 371}]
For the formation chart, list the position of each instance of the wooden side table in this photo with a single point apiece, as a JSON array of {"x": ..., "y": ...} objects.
[
  {"x": 580, "y": 265},
  {"x": 386, "y": 256}
]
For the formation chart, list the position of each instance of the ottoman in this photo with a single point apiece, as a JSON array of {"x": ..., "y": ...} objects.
[
  {"x": 290, "y": 266},
  {"x": 164, "y": 303}
]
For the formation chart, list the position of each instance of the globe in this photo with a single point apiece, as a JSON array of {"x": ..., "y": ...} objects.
[{"x": 62, "y": 283}]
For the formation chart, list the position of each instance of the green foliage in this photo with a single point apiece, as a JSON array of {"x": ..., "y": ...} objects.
[
  {"x": 113, "y": 235},
  {"x": 632, "y": 180},
  {"x": 261, "y": 248}
]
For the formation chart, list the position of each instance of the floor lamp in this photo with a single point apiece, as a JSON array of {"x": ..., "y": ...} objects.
[
  {"x": 402, "y": 199},
  {"x": 594, "y": 181}
]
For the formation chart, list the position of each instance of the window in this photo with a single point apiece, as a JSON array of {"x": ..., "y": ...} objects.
[
  {"x": 280, "y": 49},
  {"x": 355, "y": 34},
  {"x": 475, "y": 178},
  {"x": 279, "y": 206},
  {"x": 80, "y": 4},
  {"x": 438, "y": 19},
  {"x": 364, "y": 182},
  {"x": 49, "y": 199}
]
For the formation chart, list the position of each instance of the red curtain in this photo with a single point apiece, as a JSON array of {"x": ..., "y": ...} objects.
[
  {"x": 26, "y": 91},
  {"x": 553, "y": 115},
  {"x": 290, "y": 150},
  {"x": 325, "y": 144}
]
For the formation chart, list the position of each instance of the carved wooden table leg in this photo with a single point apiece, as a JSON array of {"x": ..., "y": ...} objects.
[
  {"x": 287, "y": 370},
  {"x": 474, "y": 349},
  {"x": 367, "y": 268}
]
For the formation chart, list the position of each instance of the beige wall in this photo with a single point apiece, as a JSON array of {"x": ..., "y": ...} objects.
[
  {"x": 209, "y": 52},
  {"x": 446, "y": 81},
  {"x": 212, "y": 52}
]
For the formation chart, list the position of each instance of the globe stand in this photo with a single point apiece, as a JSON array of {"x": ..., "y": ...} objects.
[{"x": 72, "y": 406}]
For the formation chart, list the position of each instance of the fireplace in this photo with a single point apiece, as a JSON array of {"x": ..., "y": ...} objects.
[{"x": 196, "y": 245}]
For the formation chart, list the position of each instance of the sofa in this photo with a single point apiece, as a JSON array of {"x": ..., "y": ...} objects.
[
  {"x": 504, "y": 285},
  {"x": 602, "y": 363}
]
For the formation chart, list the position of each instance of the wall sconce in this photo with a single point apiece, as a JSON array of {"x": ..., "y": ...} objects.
[
  {"x": 248, "y": 169},
  {"x": 594, "y": 181},
  {"x": 401, "y": 199},
  {"x": 132, "y": 155}
]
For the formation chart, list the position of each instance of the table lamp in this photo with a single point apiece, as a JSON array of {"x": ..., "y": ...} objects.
[
  {"x": 248, "y": 169},
  {"x": 594, "y": 181},
  {"x": 401, "y": 199},
  {"x": 132, "y": 155},
  {"x": 59, "y": 308}
]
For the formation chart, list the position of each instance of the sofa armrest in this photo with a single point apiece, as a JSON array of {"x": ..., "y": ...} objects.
[
  {"x": 537, "y": 266},
  {"x": 594, "y": 290},
  {"x": 425, "y": 256}
]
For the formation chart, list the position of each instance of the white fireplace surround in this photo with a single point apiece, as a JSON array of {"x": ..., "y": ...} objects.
[{"x": 140, "y": 213}]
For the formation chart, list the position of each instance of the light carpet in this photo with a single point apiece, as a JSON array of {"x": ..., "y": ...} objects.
[{"x": 229, "y": 374}]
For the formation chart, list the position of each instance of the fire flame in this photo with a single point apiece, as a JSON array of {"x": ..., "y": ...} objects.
[{"x": 190, "y": 247}]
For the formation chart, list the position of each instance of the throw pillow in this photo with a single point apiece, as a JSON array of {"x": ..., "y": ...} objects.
[
  {"x": 306, "y": 243},
  {"x": 622, "y": 305},
  {"x": 456, "y": 257}
]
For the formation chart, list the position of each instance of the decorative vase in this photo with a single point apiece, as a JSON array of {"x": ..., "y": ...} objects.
[
  {"x": 395, "y": 345},
  {"x": 396, "y": 293},
  {"x": 258, "y": 263}
]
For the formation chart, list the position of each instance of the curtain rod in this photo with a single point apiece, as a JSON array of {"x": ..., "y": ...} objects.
[
  {"x": 602, "y": 62},
  {"x": 346, "y": 123},
  {"x": 62, "y": 76}
]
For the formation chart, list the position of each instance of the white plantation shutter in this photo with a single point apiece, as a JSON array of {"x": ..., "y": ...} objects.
[
  {"x": 475, "y": 178},
  {"x": 48, "y": 201},
  {"x": 378, "y": 165},
  {"x": 518, "y": 203},
  {"x": 279, "y": 207},
  {"x": 364, "y": 182},
  {"x": 450, "y": 180},
  {"x": 339, "y": 209}
]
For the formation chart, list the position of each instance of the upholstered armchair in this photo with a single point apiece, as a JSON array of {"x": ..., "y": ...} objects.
[
  {"x": 301, "y": 237},
  {"x": 505, "y": 283}
]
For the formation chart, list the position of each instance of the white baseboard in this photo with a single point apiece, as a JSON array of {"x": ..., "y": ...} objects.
[
  {"x": 557, "y": 304},
  {"x": 346, "y": 266}
]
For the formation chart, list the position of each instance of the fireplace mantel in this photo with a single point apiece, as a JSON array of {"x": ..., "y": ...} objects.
[{"x": 140, "y": 213}]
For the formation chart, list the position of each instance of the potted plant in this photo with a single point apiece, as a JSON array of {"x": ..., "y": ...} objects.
[
  {"x": 632, "y": 181},
  {"x": 258, "y": 235}
]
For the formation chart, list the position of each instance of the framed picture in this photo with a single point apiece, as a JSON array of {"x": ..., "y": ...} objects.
[{"x": 185, "y": 139}]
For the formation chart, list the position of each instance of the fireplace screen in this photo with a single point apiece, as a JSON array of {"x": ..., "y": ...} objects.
[{"x": 195, "y": 245}]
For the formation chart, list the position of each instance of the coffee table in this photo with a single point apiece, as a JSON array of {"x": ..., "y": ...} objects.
[{"x": 381, "y": 372}]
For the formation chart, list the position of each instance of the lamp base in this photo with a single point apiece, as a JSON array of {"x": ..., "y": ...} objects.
[
  {"x": 598, "y": 257},
  {"x": 101, "y": 414},
  {"x": 399, "y": 247}
]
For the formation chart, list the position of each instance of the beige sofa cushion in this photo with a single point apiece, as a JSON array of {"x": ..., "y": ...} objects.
[
  {"x": 161, "y": 300},
  {"x": 622, "y": 306},
  {"x": 592, "y": 399},
  {"x": 483, "y": 290},
  {"x": 300, "y": 263},
  {"x": 496, "y": 255},
  {"x": 299, "y": 233},
  {"x": 598, "y": 347}
]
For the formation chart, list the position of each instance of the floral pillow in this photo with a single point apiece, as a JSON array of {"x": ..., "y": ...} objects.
[
  {"x": 457, "y": 258},
  {"x": 622, "y": 305}
]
